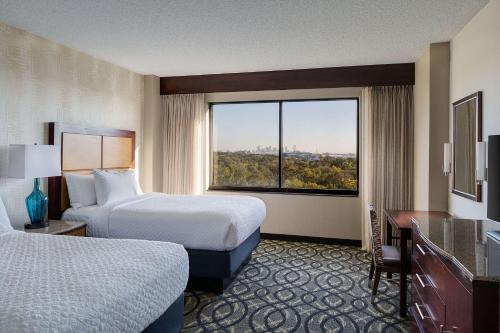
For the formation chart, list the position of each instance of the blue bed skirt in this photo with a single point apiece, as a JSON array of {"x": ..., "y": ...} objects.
[
  {"x": 171, "y": 321},
  {"x": 214, "y": 270}
]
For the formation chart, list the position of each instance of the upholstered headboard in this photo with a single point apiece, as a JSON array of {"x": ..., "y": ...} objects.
[{"x": 84, "y": 149}]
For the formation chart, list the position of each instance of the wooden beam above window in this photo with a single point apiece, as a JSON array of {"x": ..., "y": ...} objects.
[{"x": 333, "y": 77}]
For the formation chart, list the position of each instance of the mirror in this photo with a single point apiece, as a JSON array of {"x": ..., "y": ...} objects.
[{"x": 467, "y": 121}]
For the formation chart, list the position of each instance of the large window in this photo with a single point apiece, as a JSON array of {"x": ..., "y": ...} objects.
[{"x": 285, "y": 146}]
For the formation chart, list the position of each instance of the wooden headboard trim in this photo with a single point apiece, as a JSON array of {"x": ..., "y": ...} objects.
[{"x": 56, "y": 130}]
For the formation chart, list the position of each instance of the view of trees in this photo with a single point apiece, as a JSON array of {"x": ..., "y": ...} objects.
[{"x": 300, "y": 170}]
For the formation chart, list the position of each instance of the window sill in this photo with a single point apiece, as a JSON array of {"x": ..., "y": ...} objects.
[{"x": 330, "y": 193}]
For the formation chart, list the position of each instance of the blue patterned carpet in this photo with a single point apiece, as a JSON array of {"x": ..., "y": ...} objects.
[{"x": 298, "y": 287}]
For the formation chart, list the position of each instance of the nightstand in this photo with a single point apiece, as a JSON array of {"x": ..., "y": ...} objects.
[{"x": 58, "y": 227}]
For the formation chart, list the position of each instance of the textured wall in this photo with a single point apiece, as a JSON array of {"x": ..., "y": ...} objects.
[
  {"x": 475, "y": 65},
  {"x": 42, "y": 81}
]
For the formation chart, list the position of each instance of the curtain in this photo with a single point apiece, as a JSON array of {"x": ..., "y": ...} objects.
[
  {"x": 184, "y": 133},
  {"x": 365, "y": 177},
  {"x": 387, "y": 175}
]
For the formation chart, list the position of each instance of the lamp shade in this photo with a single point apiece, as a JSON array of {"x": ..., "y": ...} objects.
[
  {"x": 34, "y": 161},
  {"x": 447, "y": 159},
  {"x": 481, "y": 161}
]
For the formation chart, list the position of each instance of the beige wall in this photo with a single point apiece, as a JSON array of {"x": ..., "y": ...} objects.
[
  {"x": 306, "y": 215},
  {"x": 475, "y": 65},
  {"x": 431, "y": 98},
  {"x": 421, "y": 131},
  {"x": 42, "y": 81}
]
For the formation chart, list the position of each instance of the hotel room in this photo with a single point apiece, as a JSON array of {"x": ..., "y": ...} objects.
[{"x": 250, "y": 166}]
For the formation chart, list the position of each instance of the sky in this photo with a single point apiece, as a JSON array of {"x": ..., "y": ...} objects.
[{"x": 312, "y": 126}]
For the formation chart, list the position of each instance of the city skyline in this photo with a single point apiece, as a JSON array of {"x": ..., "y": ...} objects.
[
  {"x": 286, "y": 149},
  {"x": 311, "y": 126}
]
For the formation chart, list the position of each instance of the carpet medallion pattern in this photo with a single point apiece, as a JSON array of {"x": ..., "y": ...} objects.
[{"x": 298, "y": 287}]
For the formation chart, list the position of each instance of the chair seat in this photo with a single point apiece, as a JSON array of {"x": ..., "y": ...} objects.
[{"x": 391, "y": 255}]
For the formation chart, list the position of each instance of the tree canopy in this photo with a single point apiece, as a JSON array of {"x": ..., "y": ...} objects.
[{"x": 313, "y": 171}]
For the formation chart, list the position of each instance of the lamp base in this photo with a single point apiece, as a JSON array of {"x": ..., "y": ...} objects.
[
  {"x": 36, "y": 225},
  {"x": 36, "y": 204}
]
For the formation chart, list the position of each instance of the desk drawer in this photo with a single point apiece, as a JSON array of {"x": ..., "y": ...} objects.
[
  {"x": 429, "y": 298},
  {"x": 421, "y": 313},
  {"x": 430, "y": 265}
]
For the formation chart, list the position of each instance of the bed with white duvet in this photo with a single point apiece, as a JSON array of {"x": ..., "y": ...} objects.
[
  {"x": 219, "y": 232},
  {"x": 202, "y": 222},
  {"x": 75, "y": 284}
]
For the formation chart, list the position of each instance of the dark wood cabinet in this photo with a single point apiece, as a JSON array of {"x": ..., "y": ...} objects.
[{"x": 444, "y": 298}]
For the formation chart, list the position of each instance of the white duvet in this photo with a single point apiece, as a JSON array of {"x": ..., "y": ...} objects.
[
  {"x": 205, "y": 222},
  {"x": 76, "y": 284}
]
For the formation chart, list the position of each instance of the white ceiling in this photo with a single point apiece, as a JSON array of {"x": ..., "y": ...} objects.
[{"x": 220, "y": 36}]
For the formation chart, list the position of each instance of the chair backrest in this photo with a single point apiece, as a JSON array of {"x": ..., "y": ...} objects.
[{"x": 375, "y": 236}]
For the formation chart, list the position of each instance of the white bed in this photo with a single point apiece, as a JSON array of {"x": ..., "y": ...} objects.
[
  {"x": 218, "y": 232},
  {"x": 205, "y": 222},
  {"x": 75, "y": 284}
]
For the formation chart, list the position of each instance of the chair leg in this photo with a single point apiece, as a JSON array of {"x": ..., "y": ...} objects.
[
  {"x": 377, "y": 280},
  {"x": 372, "y": 269}
]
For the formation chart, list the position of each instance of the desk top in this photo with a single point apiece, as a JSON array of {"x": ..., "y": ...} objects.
[
  {"x": 464, "y": 242},
  {"x": 401, "y": 219}
]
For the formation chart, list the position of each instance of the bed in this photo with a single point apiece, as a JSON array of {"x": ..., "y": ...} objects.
[
  {"x": 75, "y": 284},
  {"x": 218, "y": 232}
]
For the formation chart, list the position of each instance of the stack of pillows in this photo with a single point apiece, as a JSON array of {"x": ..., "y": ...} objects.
[{"x": 101, "y": 188}]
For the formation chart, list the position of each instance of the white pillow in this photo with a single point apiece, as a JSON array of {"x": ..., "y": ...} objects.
[
  {"x": 81, "y": 190},
  {"x": 4, "y": 219},
  {"x": 111, "y": 186}
]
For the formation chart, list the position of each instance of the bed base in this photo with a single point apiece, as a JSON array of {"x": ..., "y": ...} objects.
[
  {"x": 213, "y": 284},
  {"x": 171, "y": 321},
  {"x": 215, "y": 270}
]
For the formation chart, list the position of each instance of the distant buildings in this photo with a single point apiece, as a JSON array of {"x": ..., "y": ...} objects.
[{"x": 270, "y": 150}]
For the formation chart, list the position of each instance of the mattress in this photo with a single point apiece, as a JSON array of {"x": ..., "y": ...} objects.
[
  {"x": 201, "y": 222},
  {"x": 75, "y": 284}
]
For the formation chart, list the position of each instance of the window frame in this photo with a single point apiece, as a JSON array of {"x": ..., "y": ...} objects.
[{"x": 280, "y": 189}]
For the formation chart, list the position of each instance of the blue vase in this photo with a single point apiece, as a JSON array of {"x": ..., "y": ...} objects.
[{"x": 36, "y": 203}]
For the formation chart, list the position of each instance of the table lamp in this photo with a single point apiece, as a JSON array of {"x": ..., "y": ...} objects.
[{"x": 34, "y": 162}]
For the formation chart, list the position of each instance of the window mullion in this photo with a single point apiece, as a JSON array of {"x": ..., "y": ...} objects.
[{"x": 280, "y": 149}]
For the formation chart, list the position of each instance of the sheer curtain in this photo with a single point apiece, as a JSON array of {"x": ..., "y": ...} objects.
[
  {"x": 387, "y": 151},
  {"x": 184, "y": 133}
]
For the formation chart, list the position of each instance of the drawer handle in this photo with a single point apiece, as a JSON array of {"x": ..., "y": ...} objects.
[
  {"x": 441, "y": 329},
  {"x": 421, "y": 249},
  {"x": 421, "y": 281},
  {"x": 420, "y": 312}
]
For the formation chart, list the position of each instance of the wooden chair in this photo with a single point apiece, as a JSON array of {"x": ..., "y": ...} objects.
[{"x": 385, "y": 258}]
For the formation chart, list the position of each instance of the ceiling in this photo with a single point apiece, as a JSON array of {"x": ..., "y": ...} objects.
[{"x": 187, "y": 37}]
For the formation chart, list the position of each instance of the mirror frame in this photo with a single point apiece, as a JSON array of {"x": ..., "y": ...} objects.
[{"x": 478, "y": 97}]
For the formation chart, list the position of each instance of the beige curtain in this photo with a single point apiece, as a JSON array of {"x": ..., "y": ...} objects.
[
  {"x": 365, "y": 176},
  {"x": 387, "y": 151},
  {"x": 184, "y": 133}
]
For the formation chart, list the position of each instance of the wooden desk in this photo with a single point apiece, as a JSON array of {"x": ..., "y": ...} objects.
[{"x": 400, "y": 220}]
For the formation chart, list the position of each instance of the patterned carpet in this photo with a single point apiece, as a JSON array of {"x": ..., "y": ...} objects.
[{"x": 298, "y": 287}]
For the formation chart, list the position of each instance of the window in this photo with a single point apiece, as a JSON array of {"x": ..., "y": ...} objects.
[
  {"x": 245, "y": 145},
  {"x": 285, "y": 146}
]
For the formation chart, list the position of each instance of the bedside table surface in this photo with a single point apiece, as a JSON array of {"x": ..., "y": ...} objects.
[{"x": 57, "y": 227}]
